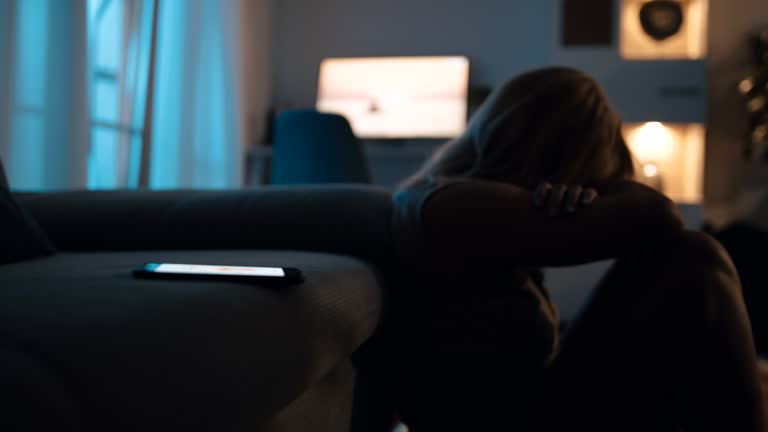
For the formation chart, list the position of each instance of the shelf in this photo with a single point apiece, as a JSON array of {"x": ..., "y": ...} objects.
[{"x": 689, "y": 43}]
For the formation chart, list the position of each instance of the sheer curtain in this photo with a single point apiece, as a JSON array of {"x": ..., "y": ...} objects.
[
  {"x": 120, "y": 39},
  {"x": 43, "y": 93},
  {"x": 75, "y": 93},
  {"x": 197, "y": 123}
]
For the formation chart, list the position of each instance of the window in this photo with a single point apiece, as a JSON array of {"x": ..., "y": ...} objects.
[{"x": 119, "y": 37}]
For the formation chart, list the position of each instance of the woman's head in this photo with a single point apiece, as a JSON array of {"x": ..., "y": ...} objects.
[{"x": 551, "y": 124}]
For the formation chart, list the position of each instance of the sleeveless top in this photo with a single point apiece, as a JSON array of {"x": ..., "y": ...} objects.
[{"x": 466, "y": 309}]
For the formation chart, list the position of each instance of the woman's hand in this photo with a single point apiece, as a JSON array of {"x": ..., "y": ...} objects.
[{"x": 558, "y": 198}]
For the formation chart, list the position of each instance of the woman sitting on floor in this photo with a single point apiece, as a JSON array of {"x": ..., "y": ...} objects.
[{"x": 542, "y": 177}]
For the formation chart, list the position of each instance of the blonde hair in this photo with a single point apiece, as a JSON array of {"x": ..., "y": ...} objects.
[{"x": 552, "y": 124}]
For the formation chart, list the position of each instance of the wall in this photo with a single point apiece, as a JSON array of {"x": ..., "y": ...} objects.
[
  {"x": 256, "y": 65},
  {"x": 504, "y": 37},
  {"x": 670, "y": 90},
  {"x": 691, "y": 91},
  {"x": 501, "y": 37}
]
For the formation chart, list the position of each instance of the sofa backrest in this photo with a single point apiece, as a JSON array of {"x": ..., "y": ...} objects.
[{"x": 344, "y": 219}]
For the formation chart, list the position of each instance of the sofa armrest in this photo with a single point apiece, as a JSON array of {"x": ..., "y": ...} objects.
[{"x": 351, "y": 220}]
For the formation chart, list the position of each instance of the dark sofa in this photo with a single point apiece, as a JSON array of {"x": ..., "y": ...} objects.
[{"x": 86, "y": 347}]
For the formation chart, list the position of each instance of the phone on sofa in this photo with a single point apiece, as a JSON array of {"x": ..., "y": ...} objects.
[{"x": 264, "y": 275}]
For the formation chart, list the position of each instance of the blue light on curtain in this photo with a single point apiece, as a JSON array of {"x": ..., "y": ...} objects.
[
  {"x": 106, "y": 49},
  {"x": 26, "y": 130},
  {"x": 137, "y": 79},
  {"x": 120, "y": 34},
  {"x": 6, "y": 30},
  {"x": 73, "y": 93},
  {"x": 44, "y": 87},
  {"x": 31, "y": 49},
  {"x": 197, "y": 137}
]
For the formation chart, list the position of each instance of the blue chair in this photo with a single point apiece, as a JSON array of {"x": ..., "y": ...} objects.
[{"x": 314, "y": 147}]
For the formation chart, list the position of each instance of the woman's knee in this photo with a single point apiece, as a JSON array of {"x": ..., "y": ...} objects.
[
  {"x": 697, "y": 266},
  {"x": 691, "y": 261},
  {"x": 700, "y": 254}
]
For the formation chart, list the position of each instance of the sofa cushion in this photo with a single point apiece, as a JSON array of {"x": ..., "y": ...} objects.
[
  {"x": 181, "y": 354},
  {"x": 20, "y": 237}
]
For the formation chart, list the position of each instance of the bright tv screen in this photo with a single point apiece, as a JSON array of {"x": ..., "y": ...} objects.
[{"x": 397, "y": 97}]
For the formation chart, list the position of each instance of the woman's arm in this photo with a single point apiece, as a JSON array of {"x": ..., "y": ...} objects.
[{"x": 499, "y": 223}]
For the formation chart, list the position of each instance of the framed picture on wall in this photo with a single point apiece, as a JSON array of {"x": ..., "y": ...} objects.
[{"x": 587, "y": 23}]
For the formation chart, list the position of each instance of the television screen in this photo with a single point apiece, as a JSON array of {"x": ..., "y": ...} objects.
[{"x": 397, "y": 97}]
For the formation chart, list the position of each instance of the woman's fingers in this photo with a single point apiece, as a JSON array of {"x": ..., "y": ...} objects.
[
  {"x": 541, "y": 195},
  {"x": 572, "y": 197},
  {"x": 588, "y": 196},
  {"x": 556, "y": 198},
  {"x": 559, "y": 197}
]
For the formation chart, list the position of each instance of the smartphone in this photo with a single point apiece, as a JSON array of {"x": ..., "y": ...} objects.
[{"x": 261, "y": 275}]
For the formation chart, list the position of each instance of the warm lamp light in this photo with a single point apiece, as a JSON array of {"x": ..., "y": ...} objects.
[
  {"x": 653, "y": 142},
  {"x": 760, "y": 134},
  {"x": 669, "y": 157},
  {"x": 756, "y": 104},
  {"x": 747, "y": 85},
  {"x": 650, "y": 170}
]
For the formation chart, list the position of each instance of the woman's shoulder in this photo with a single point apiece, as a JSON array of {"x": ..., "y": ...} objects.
[
  {"x": 473, "y": 191},
  {"x": 433, "y": 184},
  {"x": 452, "y": 202},
  {"x": 452, "y": 194},
  {"x": 475, "y": 207},
  {"x": 410, "y": 200},
  {"x": 418, "y": 193}
]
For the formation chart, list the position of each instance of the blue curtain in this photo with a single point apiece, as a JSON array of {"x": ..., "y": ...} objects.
[
  {"x": 74, "y": 85},
  {"x": 43, "y": 89},
  {"x": 196, "y": 131},
  {"x": 120, "y": 36}
]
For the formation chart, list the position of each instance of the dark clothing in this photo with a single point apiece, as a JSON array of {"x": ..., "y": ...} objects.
[
  {"x": 745, "y": 244},
  {"x": 477, "y": 306},
  {"x": 664, "y": 341},
  {"x": 464, "y": 324}
]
